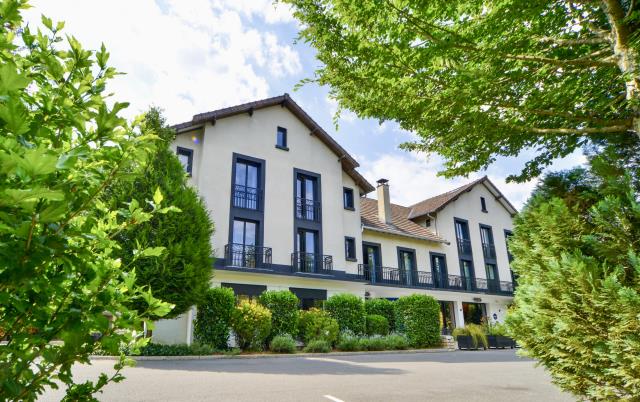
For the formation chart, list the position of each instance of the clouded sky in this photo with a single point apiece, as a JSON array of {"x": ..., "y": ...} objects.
[{"x": 193, "y": 56}]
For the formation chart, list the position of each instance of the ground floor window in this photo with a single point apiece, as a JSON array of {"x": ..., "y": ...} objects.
[
  {"x": 310, "y": 297},
  {"x": 474, "y": 312},
  {"x": 245, "y": 291}
]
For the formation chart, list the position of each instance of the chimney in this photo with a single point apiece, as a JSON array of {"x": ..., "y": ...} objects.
[{"x": 384, "y": 203}]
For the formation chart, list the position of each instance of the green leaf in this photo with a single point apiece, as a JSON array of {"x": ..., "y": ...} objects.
[
  {"x": 151, "y": 252},
  {"x": 20, "y": 196},
  {"x": 10, "y": 80},
  {"x": 158, "y": 197},
  {"x": 15, "y": 116}
]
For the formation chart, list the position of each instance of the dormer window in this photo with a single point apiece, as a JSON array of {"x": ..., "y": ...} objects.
[
  {"x": 281, "y": 139},
  {"x": 427, "y": 223},
  {"x": 347, "y": 197},
  {"x": 483, "y": 204},
  {"x": 185, "y": 156}
]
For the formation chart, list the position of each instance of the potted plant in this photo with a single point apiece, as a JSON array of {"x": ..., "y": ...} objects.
[
  {"x": 497, "y": 337},
  {"x": 471, "y": 337}
]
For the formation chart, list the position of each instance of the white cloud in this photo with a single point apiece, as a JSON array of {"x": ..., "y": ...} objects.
[
  {"x": 345, "y": 115},
  {"x": 413, "y": 176},
  {"x": 184, "y": 56}
]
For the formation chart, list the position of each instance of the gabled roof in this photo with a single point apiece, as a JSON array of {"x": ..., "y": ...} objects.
[
  {"x": 400, "y": 223},
  {"x": 349, "y": 164},
  {"x": 437, "y": 203}
]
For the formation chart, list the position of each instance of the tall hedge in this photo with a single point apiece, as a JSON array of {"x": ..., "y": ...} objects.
[
  {"x": 418, "y": 316},
  {"x": 284, "y": 311},
  {"x": 348, "y": 310},
  {"x": 576, "y": 246},
  {"x": 213, "y": 319},
  {"x": 383, "y": 307},
  {"x": 181, "y": 275}
]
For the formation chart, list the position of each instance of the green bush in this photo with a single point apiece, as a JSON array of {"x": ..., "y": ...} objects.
[
  {"x": 396, "y": 342},
  {"x": 252, "y": 324},
  {"x": 418, "y": 316},
  {"x": 156, "y": 349},
  {"x": 213, "y": 319},
  {"x": 348, "y": 342},
  {"x": 476, "y": 332},
  {"x": 284, "y": 311},
  {"x": 377, "y": 325},
  {"x": 373, "y": 343},
  {"x": 383, "y": 307},
  {"x": 283, "y": 344},
  {"x": 316, "y": 324},
  {"x": 348, "y": 310},
  {"x": 318, "y": 346},
  {"x": 496, "y": 329}
]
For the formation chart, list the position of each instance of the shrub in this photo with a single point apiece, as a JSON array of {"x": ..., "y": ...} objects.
[
  {"x": 317, "y": 324},
  {"x": 252, "y": 324},
  {"x": 372, "y": 343},
  {"x": 418, "y": 316},
  {"x": 284, "y": 311},
  {"x": 396, "y": 342},
  {"x": 348, "y": 342},
  {"x": 377, "y": 325},
  {"x": 156, "y": 349},
  {"x": 383, "y": 307},
  {"x": 318, "y": 346},
  {"x": 496, "y": 329},
  {"x": 348, "y": 310},
  {"x": 476, "y": 332},
  {"x": 213, "y": 318},
  {"x": 283, "y": 344}
]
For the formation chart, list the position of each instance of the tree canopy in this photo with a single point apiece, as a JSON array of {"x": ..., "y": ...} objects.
[
  {"x": 477, "y": 80},
  {"x": 182, "y": 274},
  {"x": 61, "y": 145}
]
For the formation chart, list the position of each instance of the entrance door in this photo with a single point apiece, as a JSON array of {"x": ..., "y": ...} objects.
[
  {"x": 439, "y": 271},
  {"x": 372, "y": 261},
  {"x": 307, "y": 245},
  {"x": 468, "y": 275}
]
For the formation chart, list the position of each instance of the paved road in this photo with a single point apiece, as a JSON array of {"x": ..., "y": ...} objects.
[{"x": 496, "y": 375}]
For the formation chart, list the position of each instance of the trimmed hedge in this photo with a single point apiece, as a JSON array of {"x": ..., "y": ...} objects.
[
  {"x": 348, "y": 310},
  {"x": 284, "y": 311},
  {"x": 351, "y": 343},
  {"x": 213, "y": 318},
  {"x": 156, "y": 349},
  {"x": 377, "y": 325},
  {"x": 383, "y": 307},
  {"x": 316, "y": 324},
  {"x": 418, "y": 316},
  {"x": 252, "y": 324}
]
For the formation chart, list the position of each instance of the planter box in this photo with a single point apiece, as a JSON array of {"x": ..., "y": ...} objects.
[
  {"x": 466, "y": 342},
  {"x": 500, "y": 342}
]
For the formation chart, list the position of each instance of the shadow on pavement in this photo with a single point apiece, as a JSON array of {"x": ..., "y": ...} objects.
[{"x": 457, "y": 357}]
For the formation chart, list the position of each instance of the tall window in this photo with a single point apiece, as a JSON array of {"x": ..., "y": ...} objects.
[
  {"x": 439, "y": 270},
  {"x": 350, "y": 248},
  {"x": 347, "y": 198},
  {"x": 466, "y": 268},
  {"x": 281, "y": 138},
  {"x": 483, "y": 204},
  {"x": 246, "y": 189},
  {"x": 185, "y": 156},
  {"x": 307, "y": 207},
  {"x": 488, "y": 247},
  {"x": 308, "y": 259},
  {"x": 462, "y": 237},
  {"x": 243, "y": 249}
]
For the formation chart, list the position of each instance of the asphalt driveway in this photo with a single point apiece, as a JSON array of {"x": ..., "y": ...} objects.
[{"x": 495, "y": 375}]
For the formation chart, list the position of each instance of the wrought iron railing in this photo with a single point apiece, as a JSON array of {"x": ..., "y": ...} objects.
[
  {"x": 506, "y": 287},
  {"x": 489, "y": 251},
  {"x": 308, "y": 210},
  {"x": 246, "y": 197},
  {"x": 464, "y": 246},
  {"x": 247, "y": 256},
  {"x": 311, "y": 262},
  {"x": 422, "y": 279}
]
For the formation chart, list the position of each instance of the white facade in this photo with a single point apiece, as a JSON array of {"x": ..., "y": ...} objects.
[{"x": 217, "y": 141}]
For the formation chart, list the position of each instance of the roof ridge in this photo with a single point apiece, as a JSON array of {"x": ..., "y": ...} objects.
[{"x": 464, "y": 186}]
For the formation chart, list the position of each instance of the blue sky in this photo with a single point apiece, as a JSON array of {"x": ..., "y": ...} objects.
[{"x": 193, "y": 56}]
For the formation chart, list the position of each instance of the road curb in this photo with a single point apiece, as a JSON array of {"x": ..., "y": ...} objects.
[{"x": 274, "y": 355}]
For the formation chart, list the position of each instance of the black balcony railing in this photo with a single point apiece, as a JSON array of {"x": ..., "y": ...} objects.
[
  {"x": 506, "y": 287},
  {"x": 395, "y": 276},
  {"x": 422, "y": 279},
  {"x": 464, "y": 246},
  {"x": 247, "y": 256},
  {"x": 489, "y": 251},
  {"x": 311, "y": 262},
  {"x": 246, "y": 197},
  {"x": 309, "y": 210}
]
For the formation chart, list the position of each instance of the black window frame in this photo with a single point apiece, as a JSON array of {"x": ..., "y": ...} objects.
[
  {"x": 283, "y": 131},
  {"x": 350, "y": 241},
  {"x": 483, "y": 205},
  {"x": 348, "y": 191},
  {"x": 188, "y": 152}
]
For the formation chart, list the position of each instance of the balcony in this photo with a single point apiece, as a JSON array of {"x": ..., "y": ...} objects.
[
  {"x": 424, "y": 279},
  {"x": 311, "y": 263},
  {"x": 464, "y": 246},
  {"x": 308, "y": 210},
  {"x": 246, "y": 197},
  {"x": 247, "y": 256},
  {"x": 489, "y": 251}
]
